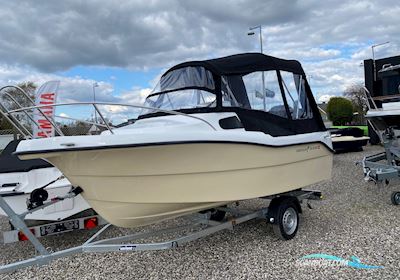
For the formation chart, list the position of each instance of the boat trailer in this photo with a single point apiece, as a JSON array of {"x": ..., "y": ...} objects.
[
  {"x": 282, "y": 212},
  {"x": 384, "y": 166}
]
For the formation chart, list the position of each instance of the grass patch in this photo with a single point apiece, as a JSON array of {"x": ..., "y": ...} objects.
[{"x": 363, "y": 127}]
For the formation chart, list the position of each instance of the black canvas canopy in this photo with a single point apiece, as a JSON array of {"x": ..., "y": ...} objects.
[
  {"x": 244, "y": 63},
  {"x": 226, "y": 79}
]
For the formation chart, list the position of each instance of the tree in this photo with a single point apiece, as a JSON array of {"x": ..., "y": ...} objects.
[
  {"x": 340, "y": 110},
  {"x": 4, "y": 124},
  {"x": 29, "y": 88},
  {"x": 357, "y": 96}
]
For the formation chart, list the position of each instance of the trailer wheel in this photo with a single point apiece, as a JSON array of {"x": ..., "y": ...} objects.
[
  {"x": 395, "y": 197},
  {"x": 286, "y": 220}
]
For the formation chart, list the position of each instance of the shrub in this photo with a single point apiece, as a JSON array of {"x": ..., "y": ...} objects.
[{"x": 340, "y": 110}]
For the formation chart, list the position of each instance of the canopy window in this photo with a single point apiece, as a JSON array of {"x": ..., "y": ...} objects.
[
  {"x": 296, "y": 97},
  {"x": 186, "y": 77},
  {"x": 185, "y": 88}
]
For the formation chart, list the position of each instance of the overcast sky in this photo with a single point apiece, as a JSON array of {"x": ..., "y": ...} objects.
[{"x": 125, "y": 45}]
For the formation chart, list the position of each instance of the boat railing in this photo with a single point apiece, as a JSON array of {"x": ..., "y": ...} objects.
[
  {"x": 370, "y": 100},
  {"x": 29, "y": 112}
]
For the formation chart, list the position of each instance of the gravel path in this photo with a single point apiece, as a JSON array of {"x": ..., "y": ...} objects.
[{"x": 355, "y": 219}]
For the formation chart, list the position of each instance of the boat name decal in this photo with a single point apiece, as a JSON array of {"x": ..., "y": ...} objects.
[{"x": 309, "y": 148}]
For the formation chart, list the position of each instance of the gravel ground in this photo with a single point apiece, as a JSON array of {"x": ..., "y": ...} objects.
[{"x": 355, "y": 219}]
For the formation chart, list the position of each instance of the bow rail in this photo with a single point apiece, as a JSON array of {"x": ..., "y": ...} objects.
[{"x": 29, "y": 111}]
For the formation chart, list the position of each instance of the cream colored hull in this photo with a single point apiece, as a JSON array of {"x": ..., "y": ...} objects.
[{"x": 135, "y": 186}]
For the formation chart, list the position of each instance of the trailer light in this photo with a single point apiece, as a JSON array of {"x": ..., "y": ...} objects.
[
  {"x": 23, "y": 237},
  {"x": 91, "y": 223}
]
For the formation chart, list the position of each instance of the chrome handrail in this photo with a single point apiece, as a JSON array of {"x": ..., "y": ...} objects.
[
  {"x": 369, "y": 97},
  {"x": 96, "y": 104},
  {"x": 15, "y": 122}
]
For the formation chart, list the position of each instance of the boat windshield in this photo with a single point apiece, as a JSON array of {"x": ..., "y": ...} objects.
[{"x": 183, "y": 88}]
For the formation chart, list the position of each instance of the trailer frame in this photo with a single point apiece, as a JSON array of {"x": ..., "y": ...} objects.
[{"x": 272, "y": 214}]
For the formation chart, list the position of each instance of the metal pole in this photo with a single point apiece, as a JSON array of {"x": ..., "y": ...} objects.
[
  {"x": 259, "y": 27},
  {"x": 373, "y": 56},
  {"x": 20, "y": 225},
  {"x": 103, "y": 119},
  {"x": 373, "y": 62},
  {"x": 94, "y": 101},
  {"x": 263, "y": 75}
]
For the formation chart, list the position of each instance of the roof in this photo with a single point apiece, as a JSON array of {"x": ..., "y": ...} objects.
[{"x": 243, "y": 64}]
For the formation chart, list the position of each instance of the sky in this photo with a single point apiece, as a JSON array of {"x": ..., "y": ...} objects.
[{"x": 124, "y": 46}]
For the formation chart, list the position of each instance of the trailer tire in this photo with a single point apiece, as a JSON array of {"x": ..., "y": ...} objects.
[
  {"x": 395, "y": 198},
  {"x": 285, "y": 218}
]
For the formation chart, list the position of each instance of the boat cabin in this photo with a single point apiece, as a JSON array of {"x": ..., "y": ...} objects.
[{"x": 268, "y": 94}]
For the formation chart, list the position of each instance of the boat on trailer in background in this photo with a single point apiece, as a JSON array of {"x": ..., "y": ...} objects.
[
  {"x": 23, "y": 183},
  {"x": 349, "y": 139},
  {"x": 384, "y": 118},
  {"x": 34, "y": 189}
]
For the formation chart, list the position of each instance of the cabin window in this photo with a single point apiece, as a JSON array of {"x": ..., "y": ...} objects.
[
  {"x": 183, "y": 88},
  {"x": 230, "y": 93},
  {"x": 181, "y": 99},
  {"x": 296, "y": 97},
  {"x": 246, "y": 92},
  {"x": 186, "y": 77},
  {"x": 264, "y": 93}
]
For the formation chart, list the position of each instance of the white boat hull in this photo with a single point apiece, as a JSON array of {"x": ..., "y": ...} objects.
[{"x": 156, "y": 182}]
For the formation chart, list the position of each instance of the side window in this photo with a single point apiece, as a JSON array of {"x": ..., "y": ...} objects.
[
  {"x": 228, "y": 96},
  {"x": 295, "y": 93},
  {"x": 264, "y": 93}
]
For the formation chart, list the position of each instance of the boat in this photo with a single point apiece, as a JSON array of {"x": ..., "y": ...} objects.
[
  {"x": 385, "y": 117},
  {"x": 384, "y": 103},
  {"x": 348, "y": 139},
  {"x": 212, "y": 132},
  {"x": 18, "y": 179}
]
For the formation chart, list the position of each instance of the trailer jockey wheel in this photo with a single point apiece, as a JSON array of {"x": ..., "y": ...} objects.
[
  {"x": 395, "y": 197},
  {"x": 215, "y": 215},
  {"x": 37, "y": 198},
  {"x": 284, "y": 216}
]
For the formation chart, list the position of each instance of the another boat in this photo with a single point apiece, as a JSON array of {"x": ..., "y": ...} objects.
[
  {"x": 348, "y": 139},
  {"x": 18, "y": 179},
  {"x": 240, "y": 127},
  {"x": 384, "y": 104},
  {"x": 385, "y": 117}
]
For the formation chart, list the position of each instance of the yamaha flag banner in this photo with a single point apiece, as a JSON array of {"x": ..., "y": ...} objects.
[{"x": 45, "y": 95}]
